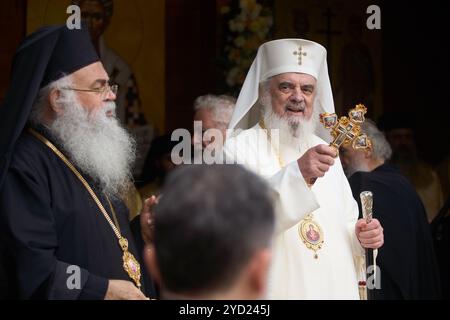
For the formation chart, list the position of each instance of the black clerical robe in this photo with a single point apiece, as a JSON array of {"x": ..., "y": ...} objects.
[
  {"x": 406, "y": 260},
  {"x": 50, "y": 222}
]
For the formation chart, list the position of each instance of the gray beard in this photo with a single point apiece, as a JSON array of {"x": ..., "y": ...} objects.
[
  {"x": 96, "y": 144},
  {"x": 293, "y": 131}
]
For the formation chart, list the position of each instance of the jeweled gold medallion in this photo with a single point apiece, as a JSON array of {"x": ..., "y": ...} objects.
[
  {"x": 311, "y": 234},
  {"x": 130, "y": 264}
]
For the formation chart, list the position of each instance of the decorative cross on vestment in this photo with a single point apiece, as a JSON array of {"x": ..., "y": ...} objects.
[
  {"x": 347, "y": 130},
  {"x": 300, "y": 54}
]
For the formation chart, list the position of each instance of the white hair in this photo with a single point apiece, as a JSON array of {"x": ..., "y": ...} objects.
[
  {"x": 380, "y": 147},
  {"x": 94, "y": 142},
  {"x": 222, "y": 107},
  {"x": 42, "y": 101}
]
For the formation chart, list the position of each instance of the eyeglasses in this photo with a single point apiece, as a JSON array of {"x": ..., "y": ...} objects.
[{"x": 103, "y": 91}]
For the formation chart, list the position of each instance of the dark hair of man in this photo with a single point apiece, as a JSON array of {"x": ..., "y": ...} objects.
[{"x": 209, "y": 222}]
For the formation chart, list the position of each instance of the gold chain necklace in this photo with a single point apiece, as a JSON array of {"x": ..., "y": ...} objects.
[
  {"x": 130, "y": 264},
  {"x": 269, "y": 137},
  {"x": 309, "y": 230}
]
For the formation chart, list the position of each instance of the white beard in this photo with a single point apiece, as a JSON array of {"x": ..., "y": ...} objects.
[
  {"x": 96, "y": 144},
  {"x": 294, "y": 132}
]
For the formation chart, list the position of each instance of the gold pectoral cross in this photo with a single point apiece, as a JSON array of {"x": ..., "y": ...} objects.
[{"x": 347, "y": 130}]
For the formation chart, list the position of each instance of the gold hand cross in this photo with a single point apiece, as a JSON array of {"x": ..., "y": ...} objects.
[{"x": 347, "y": 130}]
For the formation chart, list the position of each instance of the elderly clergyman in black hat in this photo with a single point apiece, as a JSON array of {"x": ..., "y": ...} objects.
[{"x": 64, "y": 162}]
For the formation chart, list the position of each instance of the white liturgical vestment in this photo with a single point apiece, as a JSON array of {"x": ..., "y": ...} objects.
[{"x": 295, "y": 273}]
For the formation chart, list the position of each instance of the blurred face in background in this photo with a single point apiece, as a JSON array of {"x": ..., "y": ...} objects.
[
  {"x": 403, "y": 145},
  {"x": 93, "y": 13},
  {"x": 206, "y": 117}
]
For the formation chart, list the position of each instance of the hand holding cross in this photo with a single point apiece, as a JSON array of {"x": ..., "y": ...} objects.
[{"x": 345, "y": 131}]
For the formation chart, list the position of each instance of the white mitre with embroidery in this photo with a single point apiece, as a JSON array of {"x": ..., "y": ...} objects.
[{"x": 282, "y": 56}]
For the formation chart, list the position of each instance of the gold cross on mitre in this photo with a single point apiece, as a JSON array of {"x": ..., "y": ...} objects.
[
  {"x": 300, "y": 54},
  {"x": 347, "y": 130}
]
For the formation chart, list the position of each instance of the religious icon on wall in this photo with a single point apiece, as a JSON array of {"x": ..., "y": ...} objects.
[
  {"x": 97, "y": 14},
  {"x": 117, "y": 29}
]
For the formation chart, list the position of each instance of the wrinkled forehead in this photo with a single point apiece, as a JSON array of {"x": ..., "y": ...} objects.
[
  {"x": 90, "y": 73},
  {"x": 294, "y": 77}
]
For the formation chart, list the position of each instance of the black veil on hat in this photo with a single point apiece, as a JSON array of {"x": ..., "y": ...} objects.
[{"x": 46, "y": 55}]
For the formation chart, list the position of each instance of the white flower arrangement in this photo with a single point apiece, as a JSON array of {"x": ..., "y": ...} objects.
[{"x": 248, "y": 30}]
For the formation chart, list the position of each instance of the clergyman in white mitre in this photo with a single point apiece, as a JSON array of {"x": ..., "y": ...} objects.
[{"x": 318, "y": 236}]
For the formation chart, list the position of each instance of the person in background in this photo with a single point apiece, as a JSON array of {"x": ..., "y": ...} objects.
[
  {"x": 214, "y": 112},
  {"x": 399, "y": 130},
  {"x": 213, "y": 228},
  {"x": 408, "y": 267},
  {"x": 157, "y": 166}
]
